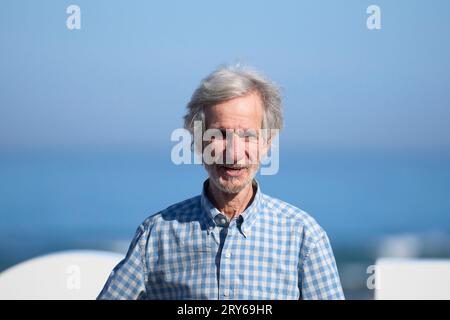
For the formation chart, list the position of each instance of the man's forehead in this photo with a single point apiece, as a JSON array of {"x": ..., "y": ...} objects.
[
  {"x": 234, "y": 125},
  {"x": 225, "y": 130},
  {"x": 235, "y": 128},
  {"x": 239, "y": 113}
]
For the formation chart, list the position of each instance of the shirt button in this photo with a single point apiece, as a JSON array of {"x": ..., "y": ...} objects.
[
  {"x": 226, "y": 292},
  {"x": 227, "y": 254}
]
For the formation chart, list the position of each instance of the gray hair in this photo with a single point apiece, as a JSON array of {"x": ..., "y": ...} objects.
[{"x": 228, "y": 82}]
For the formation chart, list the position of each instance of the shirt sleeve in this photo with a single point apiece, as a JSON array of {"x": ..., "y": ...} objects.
[
  {"x": 319, "y": 277},
  {"x": 127, "y": 280}
]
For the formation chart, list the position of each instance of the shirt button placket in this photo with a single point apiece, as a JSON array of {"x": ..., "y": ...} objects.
[{"x": 227, "y": 293}]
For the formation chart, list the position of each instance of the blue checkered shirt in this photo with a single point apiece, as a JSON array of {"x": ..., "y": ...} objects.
[{"x": 274, "y": 251}]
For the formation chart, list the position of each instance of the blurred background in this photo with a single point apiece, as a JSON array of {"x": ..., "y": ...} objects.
[{"x": 86, "y": 117}]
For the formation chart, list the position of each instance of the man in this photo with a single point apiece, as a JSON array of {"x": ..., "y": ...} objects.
[{"x": 232, "y": 241}]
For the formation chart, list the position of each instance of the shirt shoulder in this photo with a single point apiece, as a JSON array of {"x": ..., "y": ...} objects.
[
  {"x": 309, "y": 229},
  {"x": 183, "y": 211}
]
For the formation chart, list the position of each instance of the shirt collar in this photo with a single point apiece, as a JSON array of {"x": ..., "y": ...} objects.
[{"x": 247, "y": 217}]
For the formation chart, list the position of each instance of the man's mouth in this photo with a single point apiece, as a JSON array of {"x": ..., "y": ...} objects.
[{"x": 230, "y": 170}]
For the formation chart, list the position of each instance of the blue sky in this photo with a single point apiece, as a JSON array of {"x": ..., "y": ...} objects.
[{"x": 124, "y": 78}]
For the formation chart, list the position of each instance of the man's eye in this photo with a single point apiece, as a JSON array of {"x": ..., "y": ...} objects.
[{"x": 250, "y": 137}]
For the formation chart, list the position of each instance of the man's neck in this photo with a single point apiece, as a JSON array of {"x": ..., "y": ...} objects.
[{"x": 232, "y": 205}]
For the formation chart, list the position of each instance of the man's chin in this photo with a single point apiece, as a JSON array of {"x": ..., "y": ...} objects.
[
  {"x": 229, "y": 183},
  {"x": 229, "y": 186}
]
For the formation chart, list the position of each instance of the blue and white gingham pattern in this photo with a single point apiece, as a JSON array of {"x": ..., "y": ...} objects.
[{"x": 277, "y": 252}]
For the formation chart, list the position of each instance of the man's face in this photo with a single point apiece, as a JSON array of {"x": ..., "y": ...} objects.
[{"x": 236, "y": 159}]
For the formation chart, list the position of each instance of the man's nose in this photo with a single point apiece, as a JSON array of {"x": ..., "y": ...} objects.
[{"x": 235, "y": 149}]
